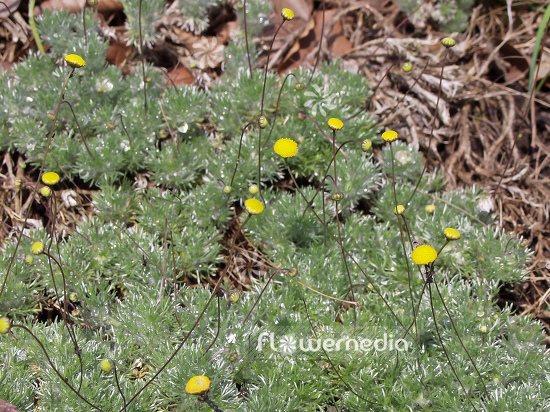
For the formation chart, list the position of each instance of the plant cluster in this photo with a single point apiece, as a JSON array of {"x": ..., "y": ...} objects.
[{"x": 137, "y": 301}]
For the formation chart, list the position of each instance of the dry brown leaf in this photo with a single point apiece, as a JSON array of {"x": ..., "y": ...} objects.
[
  {"x": 103, "y": 6},
  {"x": 337, "y": 42},
  {"x": 180, "y": 75},
  {"x": 308, "y": 41},
  {"x": 117, "y": 53},
  {"x": 12, "y": 6},
  {"x": 7, "y": 407},
  {"x": 513, "y": 64},
  {"x": 224, "y": 31}
]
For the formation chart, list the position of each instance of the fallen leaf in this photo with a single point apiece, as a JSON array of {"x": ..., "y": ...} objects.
[
  {"x": 513, "y": 64},
  {"x": 117, "y": 53},
  {"x": 103, "y": 6},
  {"x": 309, "y": 42},
  {"x": 180, "y": 75},
  {"x": 7, "y": 407},
  {"x": 337, "y": 42}
]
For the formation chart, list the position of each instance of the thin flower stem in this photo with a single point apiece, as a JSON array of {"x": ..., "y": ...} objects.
[
  {"x": 318, "y": 57},
  {"x": 431, "y": 132},
  {"x": 180, "y": 346},
  {"x": 246, "y": 40},
  {"x": 267, "y": 65},
  {"x": 79, "y": 129},
  {"x": 32, "y": 23},
  {"x": 41, "y": 170},
  {"x": 142, "y": 60},
  {"x": 445, "y": 349},
  {"x": 349, "y": 255},
  {"x": 118, "y": 384},
  {"x": 55, "y": 369}
]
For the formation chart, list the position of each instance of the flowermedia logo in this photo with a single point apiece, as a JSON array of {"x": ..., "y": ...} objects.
[{"x": 289, "y": 344}]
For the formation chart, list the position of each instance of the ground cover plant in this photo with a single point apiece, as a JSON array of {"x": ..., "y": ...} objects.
[{"x": 256, "y": 243}]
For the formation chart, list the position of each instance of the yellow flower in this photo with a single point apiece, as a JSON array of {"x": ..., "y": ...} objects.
[
  {"x": 407, "y": 67},
  {"x": 424, "y": 254},
  {"x": 262, "y": 121},
  {"x": 106, "y": 365},
  {"x": 448, "y": 42},
  {"x": 198, "y": 385},
  {"x": 253, "y": 189},
  {"x": 46, "y": 191},
  {"x": 389, "y": 135},
  {"x": 335, "y": 124},
  {"x": 75, "y": 61},
  {"x": 287, "y": 14},
  {"x": 366, "y": 145},
  {"x": 286, "y": 147},
  {"x": 254, "y": 206},
  {"x": 451, "y": 234},
  {"x": 399, "y": 210},
  {"x": 5, "y": 325},
  {"x": 50, "y": 178},
  {"x": 429, "y": 209},
  {"x": 37, "y": 248}
]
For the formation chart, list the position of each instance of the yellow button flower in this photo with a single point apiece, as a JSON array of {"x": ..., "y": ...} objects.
[
  {"x": 287, "y": 14},
  {"x": 448, "y": 42},
  {"x": 5, "y": 325},
  {"x": 407, "y": 67},
  {"x": 106, "y": 365},
  {"x": 75, "y": 61},
  {"x": 429, "y": 209},
  {"x": 254, "y": 206},
  {"x": 451, "y": 234},
  {"x": 50, "y": 178},
  {"x": 46, "y": 191},
  {"x": 37, "y": 248},
  {"x": 389, "y": 135},
  {"x": 335, "y": 124},
  {"x": 399, "y": 210},
  {"x": 286, "y": 147},
  {"x": 198, "y": 385},
  {"x": 424, "y": 254}
]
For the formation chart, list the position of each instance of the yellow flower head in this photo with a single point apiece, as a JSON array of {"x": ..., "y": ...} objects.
[
  {"x": 335, "y": 124},
  {"x": 286, "y": 147},
  {"x": 389, "y": 135},
  {"x": 254, "y": 206},
  {"x": 253, "y": 189},
  {"x": 451, "y": 234},
  {"x": 75, "y": 61},
  {"x": 106, "y": 365},
  {"x": 262, "y": 121},
  {"x": 5, "y": 325},
  {"x": 366, "y": 145},
  {"x": 429, "y": 209},
  {"x": 198, "y": 385},
  {"x": 287, "y": 14},
  {"x": 424, "y": 254},
  {"x": 46, "y": 191},
  {"x": 37, "y": 248},
  {"x": 399, "y": 210},
  {"x": 407, "y": 67},
  {"x": 50, "y": 178},
  {"x": 448, "y": 42}
]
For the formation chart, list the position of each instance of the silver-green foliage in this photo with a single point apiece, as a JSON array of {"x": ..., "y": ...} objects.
[{"x": 133, "y": 271}]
